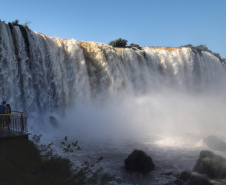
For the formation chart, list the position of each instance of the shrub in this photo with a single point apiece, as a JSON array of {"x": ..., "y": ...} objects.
[
  {"x": 132, "y": 45},
  {"x": 16, "y": 23},
  {"x": 25, "y": 25},
  {"x": 22, "y": 163},
  {"x": 204, "y": 48},
  {"x": 188, "y": 46},
  {"x": 118, "y": 43},
  {"x": 54, "y": 165}
]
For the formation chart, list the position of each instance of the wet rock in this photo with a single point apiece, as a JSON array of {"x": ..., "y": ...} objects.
[
  {"x": 53, "y": 121},
  {"x": 107, "y": 178},
  {"x": 215, "y": 143},
  {"x": 139, "y": 161},
  {"x": 189, "y": 178},
  {"x": 168, "y": 173},
  {"x": 212, "y": 165},
  {"x": 198, "y": 180},
  {"x": 175, "y": 182},
  {"x": 185, "y": 175},
  {"x": 178, "y": 182}
]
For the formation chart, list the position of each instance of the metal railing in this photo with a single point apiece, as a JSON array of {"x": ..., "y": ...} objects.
[{"x": 14, "y": 122}]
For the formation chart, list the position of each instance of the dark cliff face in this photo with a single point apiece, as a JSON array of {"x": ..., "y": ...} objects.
[
  {"x": 23, "y": 30},
  {"x": 17, "y": 55}
]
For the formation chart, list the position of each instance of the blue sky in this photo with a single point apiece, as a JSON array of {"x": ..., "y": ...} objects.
[{"x": 144, "y": 22}]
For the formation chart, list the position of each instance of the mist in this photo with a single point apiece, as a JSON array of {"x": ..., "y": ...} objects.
[
  {"x": 93, "y": 91},
  {"x": 168, "y": 113}
]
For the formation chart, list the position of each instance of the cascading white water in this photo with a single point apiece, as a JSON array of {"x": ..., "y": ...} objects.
[
  {"x": 112, "y": 92},
  {"x": 44, "y": 75},
  {"x": 41, "y": 72}
]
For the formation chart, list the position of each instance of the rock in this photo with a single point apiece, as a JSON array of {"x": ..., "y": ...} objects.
[
  {"x": 189, "y": 178},
  {"x": 53, "y": 121},
  {"x": 175, "y": 182},
  {"x": 168, "y": 173},
  {"x": 107, "y": 178},
  {"x": 198, "y": 180},
  {"x": 178, "y": 182},
  {"x": 215, "y": 143},
  {"x": 185, "y": 175},
  {"x": 139, "y": 161},
  {"x": 212, "y": 165}
]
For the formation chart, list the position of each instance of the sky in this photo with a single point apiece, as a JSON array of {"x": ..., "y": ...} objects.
[{"x": 144, "y": 22}]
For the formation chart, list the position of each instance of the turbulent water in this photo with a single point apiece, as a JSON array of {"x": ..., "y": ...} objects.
[
  {"x": 105, "y": 92},
  {"x": 42, "y": 73}
]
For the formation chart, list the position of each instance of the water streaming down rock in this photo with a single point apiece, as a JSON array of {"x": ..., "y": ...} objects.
[
  {"x": 42, "y": 74},
  {"x": 45, "y": 74}
]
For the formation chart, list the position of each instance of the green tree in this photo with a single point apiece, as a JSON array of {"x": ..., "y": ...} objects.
[
  {"x": 203, "y": 48},
  {"x": 132, "y": 45},
  {"x": 15, "y": 23},
  {"x": 26, "y": 24},
  {"x": 69, "y": 147},
  {"x": 188, "y": 45},
  {"x": 118, "y": 43}
]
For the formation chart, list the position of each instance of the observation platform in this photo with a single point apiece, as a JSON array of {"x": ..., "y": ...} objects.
[{"x": 16, "y": 128}]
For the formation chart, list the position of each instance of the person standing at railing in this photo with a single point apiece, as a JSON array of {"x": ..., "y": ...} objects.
[
  {"x": 3, "y": 110},
  {"x": 7, "y": 117}
]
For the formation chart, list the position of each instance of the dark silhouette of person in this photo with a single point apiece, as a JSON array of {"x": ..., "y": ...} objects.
[
  {"x": 2, "y": 117},
  {"x": 7, "y": 117}
]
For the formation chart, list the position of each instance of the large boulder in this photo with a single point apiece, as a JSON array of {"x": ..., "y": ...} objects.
[
  {"x": 189, "y": 178},
  {"x": 215, "y": 143},
  {"x": 139, "y": 161},
  {"x": 214, "y": 166}
]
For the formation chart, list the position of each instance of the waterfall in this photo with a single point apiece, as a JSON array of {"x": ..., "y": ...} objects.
[{"x": 46, "y": 74}]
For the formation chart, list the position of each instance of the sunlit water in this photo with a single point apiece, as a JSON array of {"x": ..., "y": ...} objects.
[
  {"x": 169, "y": 128},
  {"x": 162, "y": 100},
  {"x": 171, "y": 155}
]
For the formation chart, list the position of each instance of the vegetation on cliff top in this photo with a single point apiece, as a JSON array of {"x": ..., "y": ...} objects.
[
  {"x": 204, "y": 48},
  {"x": 16, "y": 23},
  {"x": 119, "y": 43},
  {"x": 122, "y": 43}
]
